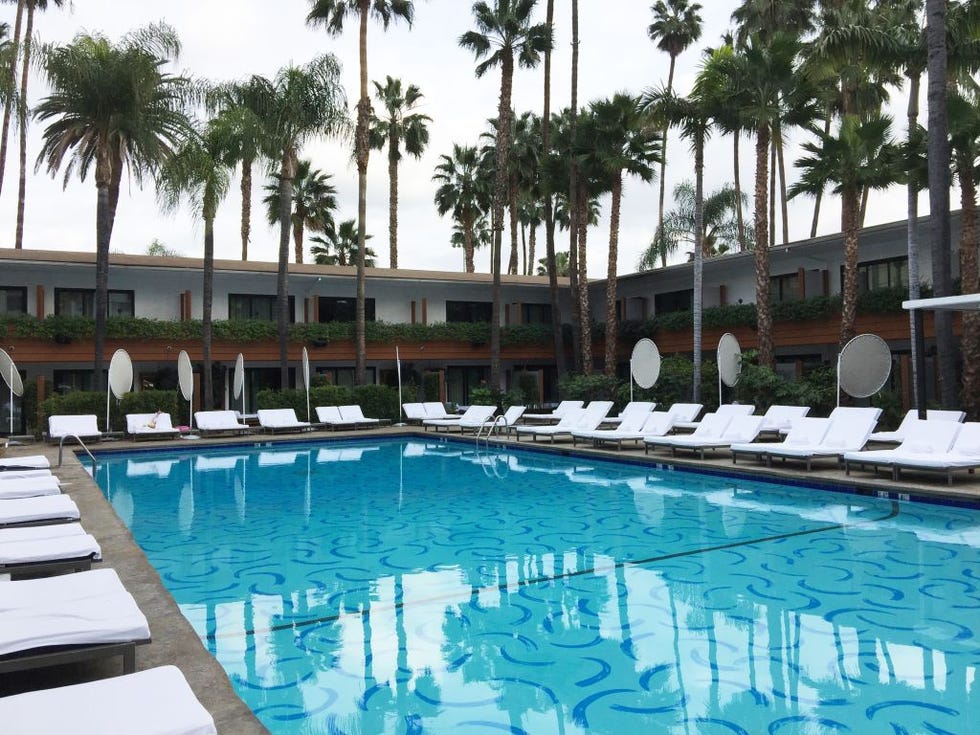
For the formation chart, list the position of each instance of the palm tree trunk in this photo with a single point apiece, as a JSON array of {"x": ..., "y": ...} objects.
[
  {"x": 115, "y": 183},
  {"x": 573, "y": 210},
  {"x": 698, "y": 264},
  {"x": 549, "y": 211},
  {"x": 102, "y": 238},
  {"x": 531, "y": 242},
  {"x": 772, "y": 194},
  {"x": 763, "y": 312},
  {"x": 663, "y": 165},
  {"x": 912, "y": 199},
  {"x": 468, "y": 242},
  {"x": 523, "y": 266},
  {"x": 819, "y": 196},
  {"x": 784, "y": 213},
  {"x": 939, "y": 195},
  {"x": 611, "y": 325},
  {"x": 11, "y": 80},
  {"x": 207, "y": 303},
  {"x": 298, "y": 234},
  {"x": 583, "y": 280},
  {"x": 282, "y": 276},
  {"x": 499, "y": 193},
  {"x": 362, "y": 149},
  {"x": 512, "y": 207},
  {"x": 970, "y": 283},
  {"x": 22, "y": 122},
  {"x": 850, "y": 204},
  {"x": 246, "y": 205},
  {"x": 392, "y": 199},
  {"x": 739, "y": 215},
  {"x": 865, "y": 191}
]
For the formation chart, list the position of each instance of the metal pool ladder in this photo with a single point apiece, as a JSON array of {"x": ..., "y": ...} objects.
[
  {"x": 492, "y": 426},
  {"x": 76, "y": 437}
]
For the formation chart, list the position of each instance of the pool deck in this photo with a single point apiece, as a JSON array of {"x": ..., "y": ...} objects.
[{"x": 175, "y": 642}]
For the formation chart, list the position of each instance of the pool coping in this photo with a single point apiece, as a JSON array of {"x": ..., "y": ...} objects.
[{"x": 176, "y": 642}]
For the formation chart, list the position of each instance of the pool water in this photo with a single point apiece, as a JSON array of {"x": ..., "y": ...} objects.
[{"x": 410, "y": 587}]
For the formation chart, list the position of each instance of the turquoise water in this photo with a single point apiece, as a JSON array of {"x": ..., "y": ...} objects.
[{"x": 426, "y": 587}]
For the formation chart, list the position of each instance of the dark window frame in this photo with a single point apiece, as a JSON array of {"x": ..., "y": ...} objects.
[
  {"x": 90, "y": 313},
  {"x": 265, "y": 298},
  {"x": 330, "y": 314},
  {"x": 863, "y": 274},
  {"x": 473, "y": 311},
  {"x": 777, "y": 293},
  {"x": 543, "y": 311},
  {"x": 22, "y": 292},
  {"x": 669, "y": 302}
]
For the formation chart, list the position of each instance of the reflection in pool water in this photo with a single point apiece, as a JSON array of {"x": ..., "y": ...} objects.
[{"x": 429, "y": 587}]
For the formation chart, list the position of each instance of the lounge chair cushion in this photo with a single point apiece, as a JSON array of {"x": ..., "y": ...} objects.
[
  {"x": 84, "y": 426},
  {"x": 31, "y": 510},
  {"x": 65, "y": 589},
  {"x": 28, "y": 487},
  {"x": 218, "y": 421},
  {"x": 153, "y": 702},
  {"x": 46, "y": 548},
  {"x": 34, "y": 461}
]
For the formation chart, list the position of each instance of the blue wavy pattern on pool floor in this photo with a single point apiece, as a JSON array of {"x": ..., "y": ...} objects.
[{"x": 427, "y": 587}]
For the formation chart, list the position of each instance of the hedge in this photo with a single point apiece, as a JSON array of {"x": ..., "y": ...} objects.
[
  {"x": 376, "y": 401},
  {"x": 89, "y": 402}
]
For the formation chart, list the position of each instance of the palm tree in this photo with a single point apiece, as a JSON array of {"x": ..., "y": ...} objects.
[
  {"x": 561, "y": 265},
  {"x": 244, "y": 131},
  {"x": 31, "y": 6},
  {"x": 861, "y": 156},
  {"x": 111, "y": 106},
  {"x": 522, "y": 174},
  {"x": 200, "y": 172},
  {"x": 314, "y": 201},
  {"x": 676, "y": 25},
  {"x": 463, "y": 190},
  {"x": 338, "y": 246},
  {"x": 503, "y": 32},
  {"x": 623, "y": 145},
  {"x": 331, "y": 14},
  {"x": 400, "y": 123},
  {"x": 480, "y": 236},
  {"x": 299, "y": 103},
  {"x": 10, "y": 85}
]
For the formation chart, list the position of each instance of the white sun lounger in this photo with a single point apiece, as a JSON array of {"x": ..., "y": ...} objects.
[
  {"x": 848, "y": 432},
  {"x": 156, "y": 701},
  {"x": 414, "y": 411},
  {"x": 641, "y": 407},
  {"x": 436, "y": 410},
  {"x": 355, "y": 414},
  {"x": 281, "y": 419},
  {"x": 28, "y": 461},
  {"x": 150, "y": 426},
  {"x": 507, "y": 421},
  {"x": 908, "y": 420},
  {"x": 80, "y": 427},
  {"x": 557, "y": 414},
  {"x": 805, "y": 431},
  {"x": 780, "y": 418},
  {"x": 44, "y": 509},
  {"x": 738, "y": 429},
  {"x": 725, "y": 409},
  {"x": 629, "y": 427},
  {"x": 711, "y": 426},
  {"x": 48, "y": 549},
  {"x": 964, "y": 454},
  {"x": 28, "y": 487},
  {"x": 330, "y": 416},
  {"x": 583, "y": 419},
  {"x": 923, "y": 439},
  {"x": 47, "y": 631},
  {"x": 686, "y": 413},
  {"x": 473, "y": 418},
  {"x": 219, "y": 422},
  {"x": 65, "y": 589}
]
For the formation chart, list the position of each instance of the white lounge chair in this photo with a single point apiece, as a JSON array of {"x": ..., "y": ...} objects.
[
  {"x": 436, "y": 410},
  {"x": 847, "y": 432},
  {"x": 779, "y": 418},
  {"x": 908, "y": 420},
  {"x": 44, "y": 509},
  {"x": 329, "y": 416},
  {"x": 964, "y": 454},
  {"x": 156, "y": 701},
  {"x": 28, "y": 487},
  {"x": 150, "y": 426},
  {"x": 473, "y": 419},
  {"x": 507, "y": 421},
  {"x": 583, "y": 419},
  {"x": 805, "y": 431},
  {"x": 219, "y": 422},
  {"x": 414, "y": 411},
  {"x": 557, "y": 414},
  {"x": 711, "y": 426},
  {"x": 725, "y": 409},
  {"x": 281, "y": 419},
  {"x": 739, "y": 429},
  {"x": 51, "y": 628},
  {"x": 355, "y": 414},
  {"x": 27, "y": 462},
  {"x": 923, "y": 439},
  {"x": 77, "y": 427},
  {"x": 641, "y": 407},
  {"x": 57, "y": 548},
  {"x": 629, "y": 426}
]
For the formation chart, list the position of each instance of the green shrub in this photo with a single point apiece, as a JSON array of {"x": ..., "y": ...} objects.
[
  {"x": 430, "y": 386},
  {"x": 80, "y": 402},
  {"x": 527, "y": 388},
  {"x": 377, "y": 401},
  {"x": 594, "y": 387},
  {"x": 150, "y": 401},
  {"x": 484, "y": 397}
]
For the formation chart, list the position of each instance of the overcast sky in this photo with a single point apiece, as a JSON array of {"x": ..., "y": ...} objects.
[{"x": 225, "y": 41}]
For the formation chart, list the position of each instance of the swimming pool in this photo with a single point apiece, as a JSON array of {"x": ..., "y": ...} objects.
[{"x": 412, "y": 586}]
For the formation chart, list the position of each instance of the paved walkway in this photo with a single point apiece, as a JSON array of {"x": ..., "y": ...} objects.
[{"x": 175, "y": 642}]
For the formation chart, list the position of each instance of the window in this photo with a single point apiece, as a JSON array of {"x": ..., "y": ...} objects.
[
  {"x": 469, "y": 311},
  {"x": 66, "y": 381},
  {"x": 255, "y": 306},
  {"x": 536, "y": 313},
  {"x": 664, "y": 303},
  {"x": 344, "y": 376},
  {"x": 13, "y": 300},
  {"x": 784, "y": 288},
  {"x": 888, "y": 273},
  {"x": 339, "y": 309},
  {"x": 81, "y": 302}
]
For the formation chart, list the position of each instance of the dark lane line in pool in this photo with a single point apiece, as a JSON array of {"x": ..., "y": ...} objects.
[{"x": 569, "y": 575}]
